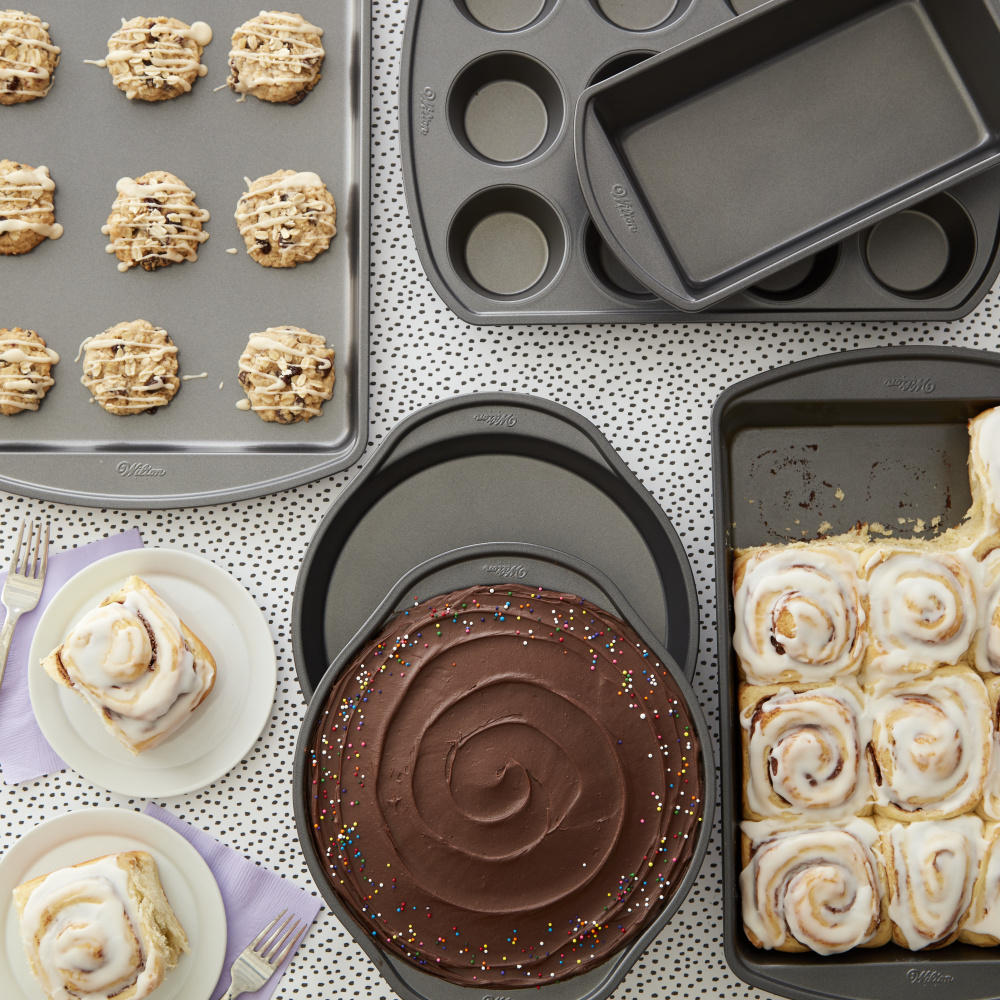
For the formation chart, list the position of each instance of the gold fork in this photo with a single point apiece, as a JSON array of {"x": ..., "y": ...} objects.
[
  {"x": 23, "y": 586},
  {"x": 255, "y": 965}
]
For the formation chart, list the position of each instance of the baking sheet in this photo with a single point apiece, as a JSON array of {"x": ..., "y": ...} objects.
[{"x": 200, "y": 448}]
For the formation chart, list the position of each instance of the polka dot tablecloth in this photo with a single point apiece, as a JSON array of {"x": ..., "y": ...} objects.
[{"x": 650, "y": 389}]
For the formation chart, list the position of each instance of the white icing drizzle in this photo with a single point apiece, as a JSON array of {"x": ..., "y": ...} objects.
[
  {"x": 807, "y": 753},
  {"x": 923, "y": 608},
  {"x": 799, "y": 615},
  {"x": 23, "y": 203},
  {"x": 986, "y": 646},
  {"x": 28, "y": 66},
  {"x": 817, "y": 885},
  {"x": 188, "y": 378},
  {"x": 271, "y": 60},
  {"x": 935, "y": 866},
  {"x": 82, "y": 928},
  {"x": 169, "y": 230},
  {"x": 933, "y": 741},
  {"x": 984, "y": 917},
  {"x": 303, "y": 383},
  {"x": 165, "y": 58},
  {"x": 131, "y": 662},
  {"x": 135, "y": 355},
  {"x": 984, "y": 442},
  {"x": 24, "y": 388},
  {"x": 283, "y": 223}
]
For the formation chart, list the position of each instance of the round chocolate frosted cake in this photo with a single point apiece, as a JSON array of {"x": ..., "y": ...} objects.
[{"x": 505, "y": 785}]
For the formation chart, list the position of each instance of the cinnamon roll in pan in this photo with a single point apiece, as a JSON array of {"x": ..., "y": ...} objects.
[{"x": 140, "y": 668}]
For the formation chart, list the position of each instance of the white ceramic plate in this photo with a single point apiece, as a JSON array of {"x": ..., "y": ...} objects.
[
  {"x": 219, "y": 733},
  {"x": 91, "y": 833}
]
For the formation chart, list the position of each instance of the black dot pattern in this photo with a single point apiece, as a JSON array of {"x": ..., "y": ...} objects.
[{"x": 650, "y": 390}]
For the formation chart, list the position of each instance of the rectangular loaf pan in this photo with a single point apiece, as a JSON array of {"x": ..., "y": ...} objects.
[
  {"x": 760, "y": 142},
  {"x": 877, "y": 436}
]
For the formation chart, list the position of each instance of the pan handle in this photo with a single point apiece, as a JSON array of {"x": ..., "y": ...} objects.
[{"x": 620, "y": 213}]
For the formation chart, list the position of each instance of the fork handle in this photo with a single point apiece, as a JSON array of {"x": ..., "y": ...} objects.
[{"x": 6, "y": 633}]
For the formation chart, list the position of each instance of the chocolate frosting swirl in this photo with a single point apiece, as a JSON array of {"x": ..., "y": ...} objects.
[{"x": 505, "y": 785}]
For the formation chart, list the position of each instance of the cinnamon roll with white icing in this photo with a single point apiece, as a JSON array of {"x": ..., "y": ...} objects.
[
  {"x": 982, "y": 925},
  {"x": 923, "y": 609},
  {"x": 100, "y": 930},
  {"x": 931, "y": 746},
  {"x": 799, "y": 614},
  {"x": 136, "y": 664},
  {"x": 931, "y": 868},
  {"x": 814, "y": 887},
  {"x": 805, "y": 751}
]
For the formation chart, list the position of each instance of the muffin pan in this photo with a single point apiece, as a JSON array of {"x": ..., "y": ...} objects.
[
  {"x": 819, "y": 445},
  {"x": 477, "y": 564},
  {"x": 490, "y": 468},
  {"x": 488, "y": 94},
  {"x": 762, "y": 142},
  {"x": 199, "y": 449}
]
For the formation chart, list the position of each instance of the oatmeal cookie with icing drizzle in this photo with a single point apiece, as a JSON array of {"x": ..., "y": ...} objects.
[
  {"x": 287, "y": 374},
  {"x": 286, "y": 218},
  {"x": 154, "y": 222},
  {"x": 131, "y": 368},
  {"x": 276, "y": 56},
  {"x": 27, "y": 210},
  {"x": 156, "y": 58},
  {"x": 28, "y": 58},
  {"x": 25, "y": 370}
]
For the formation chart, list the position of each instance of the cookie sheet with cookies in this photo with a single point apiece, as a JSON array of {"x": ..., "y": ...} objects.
[{"x": 870, "y": 731}]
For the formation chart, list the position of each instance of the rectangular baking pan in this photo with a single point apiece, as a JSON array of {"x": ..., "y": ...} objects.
[
  {"x": 816, "y": 446},
  {"x": 544, "y": 474},
  {"x": 200, "y": 449},
  {"x": 766, "y": 140},
  {"x": 450, "y": 60}
]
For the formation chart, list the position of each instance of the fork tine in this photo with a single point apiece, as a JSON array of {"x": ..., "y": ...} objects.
[
  {"x": 22, "y": 569},
  {"x": 266, "y": 946},
  {"x": 17, "y": 550},
  {"x": 291, "y": 944},
  {"x": 45, "y": 553},
  {"x": 31, "y": 565},
  {"x": 260, "y": 937},
  {"x": 277, "y": 947}
]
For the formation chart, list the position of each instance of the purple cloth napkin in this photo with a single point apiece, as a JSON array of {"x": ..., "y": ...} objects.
[
  {"x": 24, "y": 752},
  {"x": 253, "y": 897}
]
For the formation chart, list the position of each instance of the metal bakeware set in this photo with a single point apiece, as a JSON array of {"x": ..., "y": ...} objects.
[
  {"x": 489, "y": 97},
  {"x": 699, "y": 180}
]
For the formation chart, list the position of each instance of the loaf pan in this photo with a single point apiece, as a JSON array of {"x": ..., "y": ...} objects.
[{"x": 763, "y": 141}]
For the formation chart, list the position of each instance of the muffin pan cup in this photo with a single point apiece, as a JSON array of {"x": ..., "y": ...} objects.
[
  {"x": 478, "y": 564},
  {"x": 199, "y": 449},
  {"x": 482, "y": 468},
  {"x": 759, "y": 143},
  {"x": 888, "y": 429},
  {"x": 451, "y": 187}
]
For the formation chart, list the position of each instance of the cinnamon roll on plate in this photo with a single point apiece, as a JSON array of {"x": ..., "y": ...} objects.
[{"x": 137, "y": 664}]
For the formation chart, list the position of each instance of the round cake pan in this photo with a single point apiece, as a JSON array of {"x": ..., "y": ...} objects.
[
  {"x": 547, "y": 569},
  {"x": 480, "y": 468}
]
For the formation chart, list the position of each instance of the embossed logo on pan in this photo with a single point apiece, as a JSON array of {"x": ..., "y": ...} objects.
[
  {"x": 928, "y": 977},
  {"x": 512, "y": 571},
  {"x": 625, "y": 207},
  {"x": 496, "y": 419},
  {"x": 426, "y": 110},
  {"x": 138, "y": 470},
  {"x": 911, "y": 384}
]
